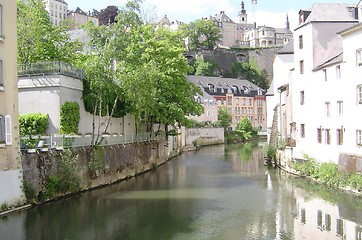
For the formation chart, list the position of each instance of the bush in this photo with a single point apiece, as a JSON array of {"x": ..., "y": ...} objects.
[
  {"x": 33, "y": 124},
  {"x": 270, "y": 152},
  {"x": 68, "y": 174},
  {"x": 328, "y": 174},
  {"x": 69, "y": 118}
]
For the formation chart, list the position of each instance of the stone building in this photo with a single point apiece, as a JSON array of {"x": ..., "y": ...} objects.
[
  {"x": 10, "y": 165},
  {"x": 239, "y": 96}
]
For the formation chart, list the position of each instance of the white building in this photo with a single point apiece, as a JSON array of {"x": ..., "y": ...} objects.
[
  {"x": 57, "y": 9},
  {"x": 325, "y": 87}
]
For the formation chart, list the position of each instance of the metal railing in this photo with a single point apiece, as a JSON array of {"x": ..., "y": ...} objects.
[
  {"x": 59, "y": 142},
  {"x": 49, "y": 68}
]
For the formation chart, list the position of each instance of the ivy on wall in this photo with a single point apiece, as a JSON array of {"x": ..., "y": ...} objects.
[
  {"x": 69, "y": 117},
  {"x": 33, "y": 124}
]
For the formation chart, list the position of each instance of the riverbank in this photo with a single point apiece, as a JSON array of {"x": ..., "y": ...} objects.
[
  {"x": 326, "y": 174},
  {"x": 52, "y": 175}
]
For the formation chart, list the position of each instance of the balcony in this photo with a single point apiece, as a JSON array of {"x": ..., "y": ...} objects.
[{"x": 49, "y": 68}]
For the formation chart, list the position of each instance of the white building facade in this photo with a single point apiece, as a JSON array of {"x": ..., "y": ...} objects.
[
  {"x": 57, "y": 9},
  {"x": 324, "y": 85}
]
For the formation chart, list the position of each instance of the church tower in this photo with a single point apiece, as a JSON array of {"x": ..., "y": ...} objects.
[
  {"x": 243, "y": 17},
  {"x": 287, "y": 25}
]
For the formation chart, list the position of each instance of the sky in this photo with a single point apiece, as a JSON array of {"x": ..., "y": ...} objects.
[{"x": 266, "y": 12}]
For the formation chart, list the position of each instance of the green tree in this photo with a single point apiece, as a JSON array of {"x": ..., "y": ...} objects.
[
  {"x": 201, "y": 34},
  {"x": 143, "y": 66},
  {"x": 38, "y": 39},
  {"x": 224, "y": 118},
  {"x": 245, "y": 128},
  {"x": 250, "y": 72},
  {"x": 205, "y": 68}
]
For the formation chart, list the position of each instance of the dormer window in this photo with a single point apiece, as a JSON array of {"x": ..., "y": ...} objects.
[
  {"x": 211, "y": 87},
  {"x": 235, "y": 89},
  {"x": 246, "y": 90}
]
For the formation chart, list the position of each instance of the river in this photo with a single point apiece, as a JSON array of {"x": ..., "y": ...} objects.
[{"x": 218, "y": 192}]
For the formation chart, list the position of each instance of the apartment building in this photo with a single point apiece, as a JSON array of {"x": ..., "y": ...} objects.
[
  {"x": 239, "y": 96},
  {"x": 10, "y": 164},
  {"x": 324, "y": 87},
  {"x": 57, "y": 9},
  {"x": 210, "y": 108}
]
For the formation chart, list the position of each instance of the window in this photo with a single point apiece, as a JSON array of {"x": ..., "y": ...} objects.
[
  {"x": 359, "y": 137},
  {"x": 300, "y": 42},
  {"x": 319, "y": 135},
  {"x": 328, "y": 221},
  {"x": 359, "y": 57},
  {"x": 319, "y": 219},
  {"x": 302, "y": 130},
  {"x": 325, "y": 74},
  {"x": 340, "y": 108},
  {"x": 327, "y": 109},
  {"x": 301, "y": 66},
  {"x": 338, "y": 72},
  {"x": 229, "y": 101},
  {"x": 8, "y": 134},
  {"x": 340, "y": 136},
  {"x": 211, "y": 88},
  {"x": 339, "y": 227},
  {"x": 250, "y": 102},
  {"x": 244, "y": 102},
  {"x": 328, "y": 136},
  {"x": 302, "y": 216},
  {"x": 359, "y": 94},
  {"x": 301, "y": 97},
  {"x": 208, "y": 112},
  {"x": 237, "y": 101}
]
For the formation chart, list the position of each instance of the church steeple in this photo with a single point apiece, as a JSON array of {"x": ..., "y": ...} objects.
[
  {"x": 287, "y": 23},
  {"x": 243, "y": 17}
]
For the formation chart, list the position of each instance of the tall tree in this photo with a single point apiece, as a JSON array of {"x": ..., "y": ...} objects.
[
  {"x": 38, "y": 39},
  {"x": 224, "y": 118},
  {"x": 148, "y": 67},
  {"x": 108, "y": 15},
  {"x": 201, "y": 34}
]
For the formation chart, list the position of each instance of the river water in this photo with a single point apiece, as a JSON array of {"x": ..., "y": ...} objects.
[{"x": 219, "y": 192}]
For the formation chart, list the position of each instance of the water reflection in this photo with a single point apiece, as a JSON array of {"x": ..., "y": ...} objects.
[{"x": 219, "y": 192}]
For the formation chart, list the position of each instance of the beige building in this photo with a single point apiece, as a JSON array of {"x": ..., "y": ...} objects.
[
  {"x": 57, "y": 9},
  {"x": 239, "y": 96},
  {"x": 244, "y": 34},
  {"x": 10, "y": 165},
  {"x": 79, "y": 18}
]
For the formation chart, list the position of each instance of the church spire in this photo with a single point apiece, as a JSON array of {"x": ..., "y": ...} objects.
[
  {"x": 287, "y": 23},
  {"x": 242, "y": 13}
]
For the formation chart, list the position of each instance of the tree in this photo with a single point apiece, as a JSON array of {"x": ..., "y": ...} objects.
[
  {"x": 201, "y": 34},
  {"x": 143, "y": 65},
  {"x": 251, "y": 73},
  {"x": 224, "y": 118},
  {"x": 205, "y": 68},
  {"x": 38, "y": 39},
  {"x": 245, "y": 128},
  {"x": 108, "y": 15}
]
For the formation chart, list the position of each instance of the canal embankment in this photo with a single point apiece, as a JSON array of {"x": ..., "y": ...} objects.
[{"x": 52, "y": 173}]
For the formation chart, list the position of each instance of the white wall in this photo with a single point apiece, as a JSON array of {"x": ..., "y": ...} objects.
[
  {"x": 11, "y": 184},
  {"x": 46, "y": 94}
]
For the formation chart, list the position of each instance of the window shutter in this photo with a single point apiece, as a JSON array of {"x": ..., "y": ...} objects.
[{"x": 8, "y": 135}]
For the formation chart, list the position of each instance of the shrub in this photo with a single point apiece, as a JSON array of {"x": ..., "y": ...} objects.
[
  {"x": 33, "y": 124},
  {"x": 355, "y": 181},
  {"x": 68, "y": 174},
  {"x": 69, "y": 118},
  {"x": 270, "y": 152}
]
